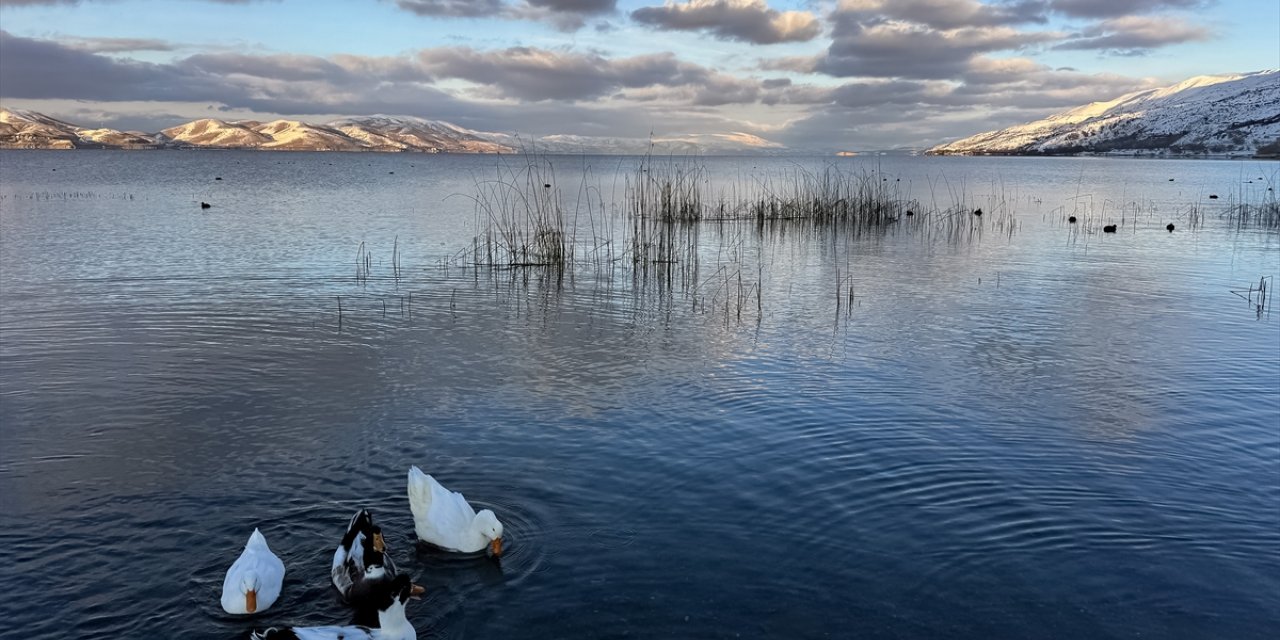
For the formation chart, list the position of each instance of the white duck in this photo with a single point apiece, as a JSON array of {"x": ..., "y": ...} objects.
[
  {"x": 253, "y": 582},
  {"x": 392, "y": 623},
  {"x": 444, "y": 518}
]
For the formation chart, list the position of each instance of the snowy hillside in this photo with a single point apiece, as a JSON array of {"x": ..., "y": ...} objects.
[
  {"x": 416, "y": 134},
  {"x": 211, "y": 132},
  {"x": 300, "y": 136},
  {"x": 710, "y": 143},
  {"x": 1236, "y": 114},
  {"x": 28, "y": 129}
]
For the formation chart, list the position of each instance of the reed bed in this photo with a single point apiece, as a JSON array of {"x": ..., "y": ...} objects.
[
  {"x": 830, "y": 196},
  {"x": 670, "y": 191},
  {"x": 667, "y": 238},
  {"x": 523, "y": 220},
  {"x": 70, "y": 195},
  {"x": 1262, "y": 215},
  {"x": 678, "y": 191}
]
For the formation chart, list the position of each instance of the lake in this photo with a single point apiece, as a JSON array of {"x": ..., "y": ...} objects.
[{"x": 1006, "y": 426}]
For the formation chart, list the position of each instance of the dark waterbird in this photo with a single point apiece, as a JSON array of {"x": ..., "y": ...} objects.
[
  {"x": 1169, "y": 227},
  {"x": 392, "y": 624},
  {"x": 218, "y": 178},
  {"x": 977, "y": 212},
  {"x": 1072, "y": 219},
  {"x": 363, "y": 567},
  {"x": 1213, "y": 196},
  {"x": 205, "y": 205},
  {"x": 1111, "y": 228},
  {"x": 910, "y": 212}
]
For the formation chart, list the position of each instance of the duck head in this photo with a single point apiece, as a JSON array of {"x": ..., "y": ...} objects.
[
  {"x": 249, "y": 584},
  {"x": 372, "y": 546},
  {"x": 486, "y": 523},
  {"x": 391, "y": 600}
]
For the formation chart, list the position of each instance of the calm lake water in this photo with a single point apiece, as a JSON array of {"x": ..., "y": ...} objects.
[{"x": 1004, "y": 427}]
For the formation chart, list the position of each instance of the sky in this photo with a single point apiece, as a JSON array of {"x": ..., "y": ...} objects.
[{"x": 801, "y": 74}]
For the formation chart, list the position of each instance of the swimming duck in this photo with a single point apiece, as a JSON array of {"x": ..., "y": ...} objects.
[
  {"x": 445, "y": 519},
  {"x": 361, "y": 564},
  {"x": 253, "y": 582},
  {"x": 391, "y": 598}
]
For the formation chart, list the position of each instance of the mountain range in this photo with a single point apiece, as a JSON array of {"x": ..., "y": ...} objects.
[
  {"x": 31, "y": 130},
  {"x": 20, "y": 129},
  {"x": 1233, "y": 115}
]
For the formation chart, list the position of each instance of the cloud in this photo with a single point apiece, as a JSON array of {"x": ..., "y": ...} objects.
[
  {"x": 42, "y": 69},
  {"x": 901, "y": 49},
  {"x": 118, "y": 45},
  {"x": 518, "y": 89},
  {"x": 907, "y": 83},
  {"x": 48, "y": 3},
  {"x": 1019, "y": 83},
  {"x": 941, "y": 39},
  {"x": 31, "y": 68},
  {"x": 587, "y": 7},
  {"x": 1135, "y": 35},
  {"x": 743, "y": 20},
  {"x": 453, "y": 8},
  {"x": 567, "y": 15},
  {"x": 947, "y": 14},
  {"x": 343, "y": 70},
  {"x": 532, "y": 74},
  {"x": 1116, "y": 8},
  {"x": 987, "y": 93}
]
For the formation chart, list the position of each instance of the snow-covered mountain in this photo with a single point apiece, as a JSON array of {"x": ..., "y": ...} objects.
[
  {"x": 31, "y": 130},
  {"x": 396, "y": 133},
  {"x": 211, "y": 132},
  {"x": 709, "y": 143},
  {"x": 300, "y": 136},
  {"x": 1237, "y": 114},
  {"x": 28, "y": 129}
]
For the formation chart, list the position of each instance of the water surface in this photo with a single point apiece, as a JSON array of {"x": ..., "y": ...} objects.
[{"x": 1029, "y": 429}]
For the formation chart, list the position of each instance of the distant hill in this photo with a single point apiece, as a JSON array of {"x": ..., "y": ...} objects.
[
  {"x": 1232, "y": 115},
  {"x": 30, "y": 130}
]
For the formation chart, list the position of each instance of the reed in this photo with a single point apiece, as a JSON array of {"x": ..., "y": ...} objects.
[
  {"x": 1262, "y": 215},
  {"x": 671, "y": 190},
  {"x": 364, "y": 263},
  {"x": 523, "y": 221},
  {"x": 830, "y": 196}
]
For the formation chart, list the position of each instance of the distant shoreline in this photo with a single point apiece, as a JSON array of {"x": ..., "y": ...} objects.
[{"x": 861, "y": 155}]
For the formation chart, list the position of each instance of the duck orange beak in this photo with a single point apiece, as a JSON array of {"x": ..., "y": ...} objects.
[
  {"x": 250, "y": 601},
  {"x": 496, "y": 547},
  {"x": 416, "y": 591}
]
